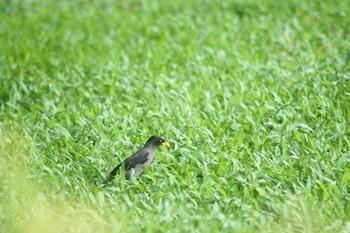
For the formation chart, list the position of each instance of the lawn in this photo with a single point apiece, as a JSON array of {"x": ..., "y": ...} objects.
[{"x": 253, "y": 97}]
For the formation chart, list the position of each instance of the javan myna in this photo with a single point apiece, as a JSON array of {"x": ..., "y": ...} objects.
[{"x": 135, "y": 163}]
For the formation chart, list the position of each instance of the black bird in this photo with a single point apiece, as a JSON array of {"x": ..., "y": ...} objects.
[{"x": 135, "y": 163}]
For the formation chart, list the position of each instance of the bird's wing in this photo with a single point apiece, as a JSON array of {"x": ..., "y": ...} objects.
[
  {"x": 136, "y": 159},
  {"x": 139, "y": 158}
]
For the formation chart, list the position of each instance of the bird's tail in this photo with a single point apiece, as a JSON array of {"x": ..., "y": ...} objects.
[
  {"x": 111, "y": 176},
  {"x": 109, "y": 179}
]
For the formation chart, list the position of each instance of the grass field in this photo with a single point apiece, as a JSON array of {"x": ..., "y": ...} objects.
[{"x": 253, "y": 96}]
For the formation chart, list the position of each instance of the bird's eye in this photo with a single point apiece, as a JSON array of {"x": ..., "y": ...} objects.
[{"x": 161, "y": 140}]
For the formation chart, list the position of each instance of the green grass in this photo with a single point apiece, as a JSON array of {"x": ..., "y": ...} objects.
[{"x": 253, "y": 96}]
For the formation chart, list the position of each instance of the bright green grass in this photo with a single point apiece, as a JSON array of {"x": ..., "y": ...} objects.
[{"x": 253, "y": 96}]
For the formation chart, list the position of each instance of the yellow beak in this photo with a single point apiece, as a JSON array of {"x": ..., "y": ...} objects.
[{"x": 165, "y": 144}]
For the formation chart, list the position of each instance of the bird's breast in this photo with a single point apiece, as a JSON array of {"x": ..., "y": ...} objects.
[{"x": 149, "y": 159}]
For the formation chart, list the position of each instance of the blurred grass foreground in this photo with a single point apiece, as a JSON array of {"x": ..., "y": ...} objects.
[{"x": 253, "y": 96}]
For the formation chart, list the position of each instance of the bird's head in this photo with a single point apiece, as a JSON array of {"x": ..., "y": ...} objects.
[{"x": 157, "y": 141}]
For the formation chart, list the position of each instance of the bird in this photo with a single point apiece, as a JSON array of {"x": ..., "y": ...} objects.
[{"x": 135, "y": 163}]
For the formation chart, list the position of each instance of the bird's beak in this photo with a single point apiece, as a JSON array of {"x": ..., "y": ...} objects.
[{"x": 165, "y": 144}]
